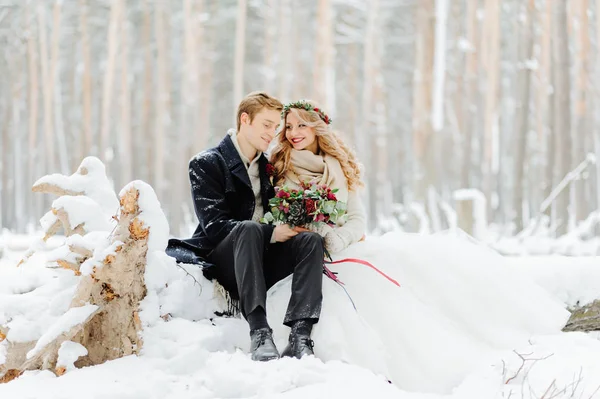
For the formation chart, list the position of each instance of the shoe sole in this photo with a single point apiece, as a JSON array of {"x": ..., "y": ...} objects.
[{"x": 268, "y": 359}]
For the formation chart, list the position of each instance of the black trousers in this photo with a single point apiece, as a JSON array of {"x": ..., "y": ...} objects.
[{"x": 246, "y": 269}]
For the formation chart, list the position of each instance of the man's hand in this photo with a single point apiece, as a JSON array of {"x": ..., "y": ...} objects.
[{"x": 283, "y": 232}]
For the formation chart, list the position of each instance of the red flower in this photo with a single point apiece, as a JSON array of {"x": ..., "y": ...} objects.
[
  {"x": 282, "y": 194},
  {"x": 270, "y": 169},
  {"x": 316, "y": 109},
  {"x": 310, "y": 206},
  {"x": 331, "y": 197}
]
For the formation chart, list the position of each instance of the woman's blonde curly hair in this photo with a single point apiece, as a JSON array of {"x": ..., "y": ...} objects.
[{"x": 328, "y": 142}]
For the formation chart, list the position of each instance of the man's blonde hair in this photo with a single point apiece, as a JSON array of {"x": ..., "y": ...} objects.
[{"x": 254, "y": 102}]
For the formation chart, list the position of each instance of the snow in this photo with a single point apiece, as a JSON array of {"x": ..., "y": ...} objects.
[
  {"x": 48, "y": 220},
  {"x": 68, "y": 353},
  {"x": 88, "y": 241},
  {"x": 103, "y": 248},
  {"x": 573, "y": 281},
  {"x": 94, "y": 184},
  {"x": 192, "y": 356},
  {"x": 466, "y": 323},
  {"x": 33, "y": 297},
  {"x": 71, "y": 318},
  {"x": 84, "y": 210},
  {"x": 63, "y": 252},
  {"x": 541, "y": 244}
]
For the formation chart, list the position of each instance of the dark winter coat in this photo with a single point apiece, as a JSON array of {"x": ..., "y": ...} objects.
[{"x": 223, "y": 197}]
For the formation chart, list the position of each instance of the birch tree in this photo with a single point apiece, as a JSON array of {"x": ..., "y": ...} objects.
[{"x": 562, "y": 103}]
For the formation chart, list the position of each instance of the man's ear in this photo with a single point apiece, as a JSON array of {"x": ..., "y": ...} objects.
[{"x": 245, "y": 118}]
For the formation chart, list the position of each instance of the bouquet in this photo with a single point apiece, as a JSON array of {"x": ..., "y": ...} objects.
[{"x": 312, "y": 204}]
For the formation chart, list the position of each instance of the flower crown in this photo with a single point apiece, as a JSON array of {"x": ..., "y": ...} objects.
[{"x": 305, "y": 105}]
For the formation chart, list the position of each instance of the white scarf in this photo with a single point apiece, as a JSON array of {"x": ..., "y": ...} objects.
[{"x": 323, "y": 169}]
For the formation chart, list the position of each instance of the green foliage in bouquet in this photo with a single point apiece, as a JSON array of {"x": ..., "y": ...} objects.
[{"x": 312, "y": 204}]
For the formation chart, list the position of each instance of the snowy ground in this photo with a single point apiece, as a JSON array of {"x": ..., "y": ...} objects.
[{"x": 191, "y": 356}]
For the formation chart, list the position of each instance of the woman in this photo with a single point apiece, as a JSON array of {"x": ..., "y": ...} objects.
[
  {"x": 458, "y": 304},
  {"x": 308, "y": 151}
]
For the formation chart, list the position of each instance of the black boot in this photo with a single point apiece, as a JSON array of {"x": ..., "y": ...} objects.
[
  {"x": 262, "y": 346},
  {"x": 299, "y": 345}
]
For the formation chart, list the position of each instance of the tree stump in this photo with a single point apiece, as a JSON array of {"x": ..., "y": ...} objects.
[{"x": 103, "y": 316}]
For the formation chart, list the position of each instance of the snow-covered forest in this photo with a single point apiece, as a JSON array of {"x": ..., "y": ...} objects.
[{"x": 465, "y": 113}]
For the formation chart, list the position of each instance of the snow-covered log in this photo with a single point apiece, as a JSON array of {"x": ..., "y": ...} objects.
[
  {"x": 585, "y": 318},
  {"x": 103, "y": 320}
]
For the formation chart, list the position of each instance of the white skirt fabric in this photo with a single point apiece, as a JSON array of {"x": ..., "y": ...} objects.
[{"x": 457, "y": 306}]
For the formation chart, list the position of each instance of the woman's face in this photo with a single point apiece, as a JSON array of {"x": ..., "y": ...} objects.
[{"x": 300, "y": 136}]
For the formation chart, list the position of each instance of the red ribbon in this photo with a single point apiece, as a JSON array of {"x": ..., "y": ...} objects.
[{"x": 364, "y": 262}]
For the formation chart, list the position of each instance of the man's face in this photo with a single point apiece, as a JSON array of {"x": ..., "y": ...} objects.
[{"x": 262, "y": 129}]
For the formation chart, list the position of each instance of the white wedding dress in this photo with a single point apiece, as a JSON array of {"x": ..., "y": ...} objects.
[{"x": 458, "y": 304}]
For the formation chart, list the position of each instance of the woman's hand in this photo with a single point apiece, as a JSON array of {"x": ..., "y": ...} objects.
[{"x": 300, "y": 229}]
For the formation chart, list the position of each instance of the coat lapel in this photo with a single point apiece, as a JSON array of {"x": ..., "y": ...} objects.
[
  {"x": 237, "y": 168},
  {"x": 233, "y": 161}
]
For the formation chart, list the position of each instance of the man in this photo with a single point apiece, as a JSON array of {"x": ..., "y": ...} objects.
[{"x": 231, "y": 190}]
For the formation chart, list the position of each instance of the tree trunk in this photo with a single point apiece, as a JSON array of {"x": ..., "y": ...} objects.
[
  {"x": 491, "y": 128},
  {"x": 5, "y": 183},
  {"x": 562, "y": 101},
  {"x": 148, "y": 95},
  {"x": 522, "y": 120},
  {"x": 364, "y": 140},
  {"x": 59, "y": 131},
  {"x": 423, "y": 102},
  {"x": 581, "y": 122},
  {"x": 596, "y": 129},
  {"x": 17, "y": 157},
  {"x": 379, "y": 201},
  {"x": 350, "y": 126},
  {"x": 125, "y": 146},
  {"x": 107, "y": 89},
  {"x": 544, "y": 106},
  {"x": 285, "y": 50},
  {"x": 470, "y": 79},
  {"x": 86, "y": 91},
  {"x": 205, "y": 43},
  {"x": 323, "y": 70},
  {"x": 162, "y": 100},
  {"x": 270, "y": 26},
  {"x": 33, "y": 160},
  {"x": 240, "y": 52},
  {"x": 187, "y": 116},
  {"x": 46, "y": 90}
]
